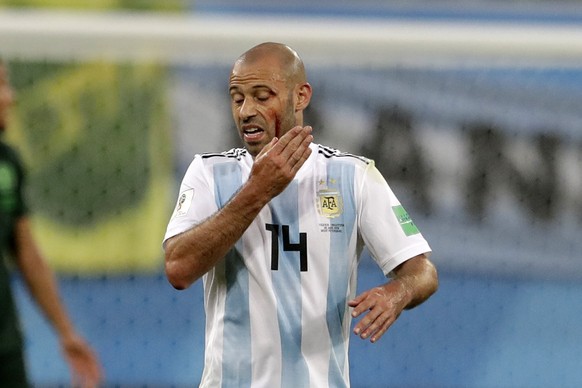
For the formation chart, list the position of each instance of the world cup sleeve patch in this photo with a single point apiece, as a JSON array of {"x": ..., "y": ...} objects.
[
  {"x": 405, "y": 221},
  {"x": 184, "y": 202}
]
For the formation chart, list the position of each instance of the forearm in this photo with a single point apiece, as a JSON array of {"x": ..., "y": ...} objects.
[
  {"x": 191, "y": 254},
  {"x": 416, "y": 280},
  {"x": 43, "y": 286},
  {"x": 40, "y": 280}
]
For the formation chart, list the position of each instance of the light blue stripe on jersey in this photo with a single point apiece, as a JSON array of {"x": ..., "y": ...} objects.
[
  {"x": 287, "y": 287},
  {"x": 236, "y": 352},
  {"x": 339, "y": 267}
]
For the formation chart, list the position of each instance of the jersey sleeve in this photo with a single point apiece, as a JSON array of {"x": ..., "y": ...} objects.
[
  {"x": 385, "y": 227},
  {"x": 195, "y": 200}
]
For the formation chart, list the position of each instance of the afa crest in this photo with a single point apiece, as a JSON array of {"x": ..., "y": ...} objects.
[{"x": 329, "y": 203}]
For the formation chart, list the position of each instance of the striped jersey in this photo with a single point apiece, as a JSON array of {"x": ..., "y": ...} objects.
[{"x": 276, "y": 305}]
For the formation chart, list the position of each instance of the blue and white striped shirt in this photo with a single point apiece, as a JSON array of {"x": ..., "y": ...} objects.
[{"x": 276, "y": 306}]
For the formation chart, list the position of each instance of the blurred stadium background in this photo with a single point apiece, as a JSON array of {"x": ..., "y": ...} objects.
[{"x": 472, "y": 109}]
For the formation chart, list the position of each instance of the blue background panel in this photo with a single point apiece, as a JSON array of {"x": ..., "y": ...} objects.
[{"x": 477, "y": 331}]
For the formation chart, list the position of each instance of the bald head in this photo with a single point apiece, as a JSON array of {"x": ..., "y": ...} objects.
[
  {"x": 289, "y": 62},
  {"x": 268, "y": 92}
]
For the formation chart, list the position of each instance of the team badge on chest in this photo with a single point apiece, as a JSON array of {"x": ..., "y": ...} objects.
[{"x": 329, "y": 203}]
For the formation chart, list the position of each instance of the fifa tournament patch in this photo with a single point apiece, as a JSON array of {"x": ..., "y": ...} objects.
[
  {"x": 184, "y": 202},
  {"x": 329, "y": 203},
  {"x": 405, "y": 221}
]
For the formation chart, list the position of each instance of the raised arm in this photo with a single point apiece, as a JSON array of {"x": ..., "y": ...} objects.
[{"x": 191, "y": 254}]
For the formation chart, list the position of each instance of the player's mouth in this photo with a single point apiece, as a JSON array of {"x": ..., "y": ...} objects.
[{"x": 252, "y": 134}]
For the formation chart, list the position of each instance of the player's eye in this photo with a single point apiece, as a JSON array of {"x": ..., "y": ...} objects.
[
  {"x": 237, "y": 99},
  {"x": 263, "y": 96}
]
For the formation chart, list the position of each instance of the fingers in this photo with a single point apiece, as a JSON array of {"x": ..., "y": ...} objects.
[
  {"x": 381, "y": 314},
  {"x": 291, "y": 150},
  {"x": 268, "y": 147},
  {"x": 301, "y": 154},
  {"x": 376, "y": 331},
  {"x": 288, "y": 153},
  {"x": 367, "y": 320},
  {"x": 280, "y": 160},
  {"x": 374, "y": 325},
  {"x": 360, "y": 304},
  {"x": 292, "y": 145}
]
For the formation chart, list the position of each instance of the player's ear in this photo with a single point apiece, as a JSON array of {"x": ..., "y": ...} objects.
[{"x": 303, "y": 95}]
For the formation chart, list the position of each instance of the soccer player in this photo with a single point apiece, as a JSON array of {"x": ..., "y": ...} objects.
[
  {"x": 275, "y": 229},
  {"x": 16, "y": 237}
]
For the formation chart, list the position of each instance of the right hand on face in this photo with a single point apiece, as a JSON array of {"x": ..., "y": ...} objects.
[{"x": 278, "y": 162}]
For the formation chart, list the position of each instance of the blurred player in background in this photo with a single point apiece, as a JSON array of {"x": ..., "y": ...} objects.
[
  {"x": 17, "y": 241},
  {"x": 276, "y": 230}
]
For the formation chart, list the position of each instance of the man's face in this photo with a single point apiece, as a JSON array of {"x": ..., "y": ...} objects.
[
  {"x": 6, "y": 97},
  {"x": 261, "y": 102}
]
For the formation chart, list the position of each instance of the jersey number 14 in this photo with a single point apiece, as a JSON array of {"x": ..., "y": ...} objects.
[{"x": 300, "y": 247}]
